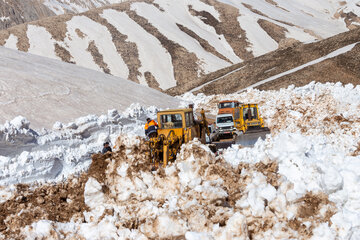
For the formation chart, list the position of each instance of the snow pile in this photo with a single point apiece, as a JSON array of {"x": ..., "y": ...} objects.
[
  {"x": 17, "y": 130},
  {"x": 313, "y": 164},
  {"x": 52, "y": 155},
  {"x": 200, "y": 197},
  {"x": 313, "y": 109}
]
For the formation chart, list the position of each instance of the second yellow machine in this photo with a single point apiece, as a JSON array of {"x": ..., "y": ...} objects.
[{"x": 176, "y": 127}]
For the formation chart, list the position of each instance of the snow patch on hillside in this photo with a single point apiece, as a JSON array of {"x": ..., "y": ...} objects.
[
  {"x": 161, "y": 59},
  {"x": 160, "y": 20},
  {"x": 41, "y": 42}
]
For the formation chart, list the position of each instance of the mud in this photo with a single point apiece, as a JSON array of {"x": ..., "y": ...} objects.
[{"x": 60, "y": 203}]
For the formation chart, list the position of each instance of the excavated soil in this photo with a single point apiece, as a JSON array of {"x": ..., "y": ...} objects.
[{"x": 56, "y": 202}]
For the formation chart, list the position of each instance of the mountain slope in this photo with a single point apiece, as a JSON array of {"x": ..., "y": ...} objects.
[
  {"x": 332, "y": 60},
  {"x": 45, "y": 90},
  {"x": 164, "y": 43},
  {"x": 14, "y": 12}
]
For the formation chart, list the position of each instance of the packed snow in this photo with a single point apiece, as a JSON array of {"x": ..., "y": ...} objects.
[
  {"x": 46, "y": 90},
  {"x": 301, "y": 182},
  {"x": 52, "y": 155}
]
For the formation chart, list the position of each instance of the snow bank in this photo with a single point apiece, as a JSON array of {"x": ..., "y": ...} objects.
[
  {"x": 52, "y": 155},
  {"x": 198, "y": 196}
]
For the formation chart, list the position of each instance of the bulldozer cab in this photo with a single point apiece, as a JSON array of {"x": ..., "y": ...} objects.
[
  {"x": 247, "y": 116},
  {"x": 250, "y": 112},
  {"x": 176, "y": 127},
  {"x": 179, "y": 121}
]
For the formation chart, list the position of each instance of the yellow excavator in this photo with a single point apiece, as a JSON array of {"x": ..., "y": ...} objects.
[{"x": 175, "y": 127}]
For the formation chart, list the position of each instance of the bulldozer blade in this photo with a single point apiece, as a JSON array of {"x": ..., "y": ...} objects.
[{"x": 251, "y": 136}]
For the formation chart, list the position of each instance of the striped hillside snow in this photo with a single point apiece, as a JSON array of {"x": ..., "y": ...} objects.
[{"x": 164, "y": 43}]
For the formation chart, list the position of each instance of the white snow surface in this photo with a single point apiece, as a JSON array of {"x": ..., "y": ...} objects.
[
  {"x": 64, "y": 6},
  {"x": 170, "y": 29},
  {"x": 159, "y": 66},
  {"x": 45, "y": 91},
  {"x": 50, "y": 155},
  {"x": 314, "y": 142}
]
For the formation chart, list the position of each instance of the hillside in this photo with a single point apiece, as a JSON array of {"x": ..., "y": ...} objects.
[
  {"x": 164, "y": 43},
  {"x": 332, "y": 60},
  {"x": 45, "y": 90},
  {"x": 14, "y": 12}
]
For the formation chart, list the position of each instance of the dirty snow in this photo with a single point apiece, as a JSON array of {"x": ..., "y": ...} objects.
[{"x": 300, "y": 182}]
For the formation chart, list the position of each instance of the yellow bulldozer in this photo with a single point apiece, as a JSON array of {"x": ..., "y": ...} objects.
[
  {"x": 175, "y": 127},
  {"x": 248, "y": 121},
  {"x": 247, "y": 118}
]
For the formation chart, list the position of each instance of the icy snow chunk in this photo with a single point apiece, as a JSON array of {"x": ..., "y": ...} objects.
[
  {"x": 331, "y": 180},
  {"x": 323, "y": 232},
  {"x": 188, "y": 175},
  {"x": 106, "y": 229},
  {"x": 40, "y": 229},
  {"x": 269, "y": 192},
  {"x": 197, "y": 236},
  {"x": 236, "y": 228},
  {"x": 20, "y": 122},
  {"x": 5, "y": 194},
  {"x": 57, "y": 126},
  {"x": 295, "y": 114},
  {"x": 93, "y": 193},
  {"x": 122, "y": 169},
  {"x": 162, "y": 223},
  {"x": 71, "y": 125}
]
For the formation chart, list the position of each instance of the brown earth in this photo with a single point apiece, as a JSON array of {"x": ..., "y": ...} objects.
[
  {"x": 342, "y": 68},
  {"x": 58, "y": 202}
]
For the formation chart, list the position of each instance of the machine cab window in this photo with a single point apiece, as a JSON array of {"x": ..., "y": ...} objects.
[
  {"x": 225, "y": 119},
  {"x": 171, "y": 121},
  {"x": 189, "y": 119},
  {"x": 250, "y": 113},
  {"x": 226, "y": 105}
]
